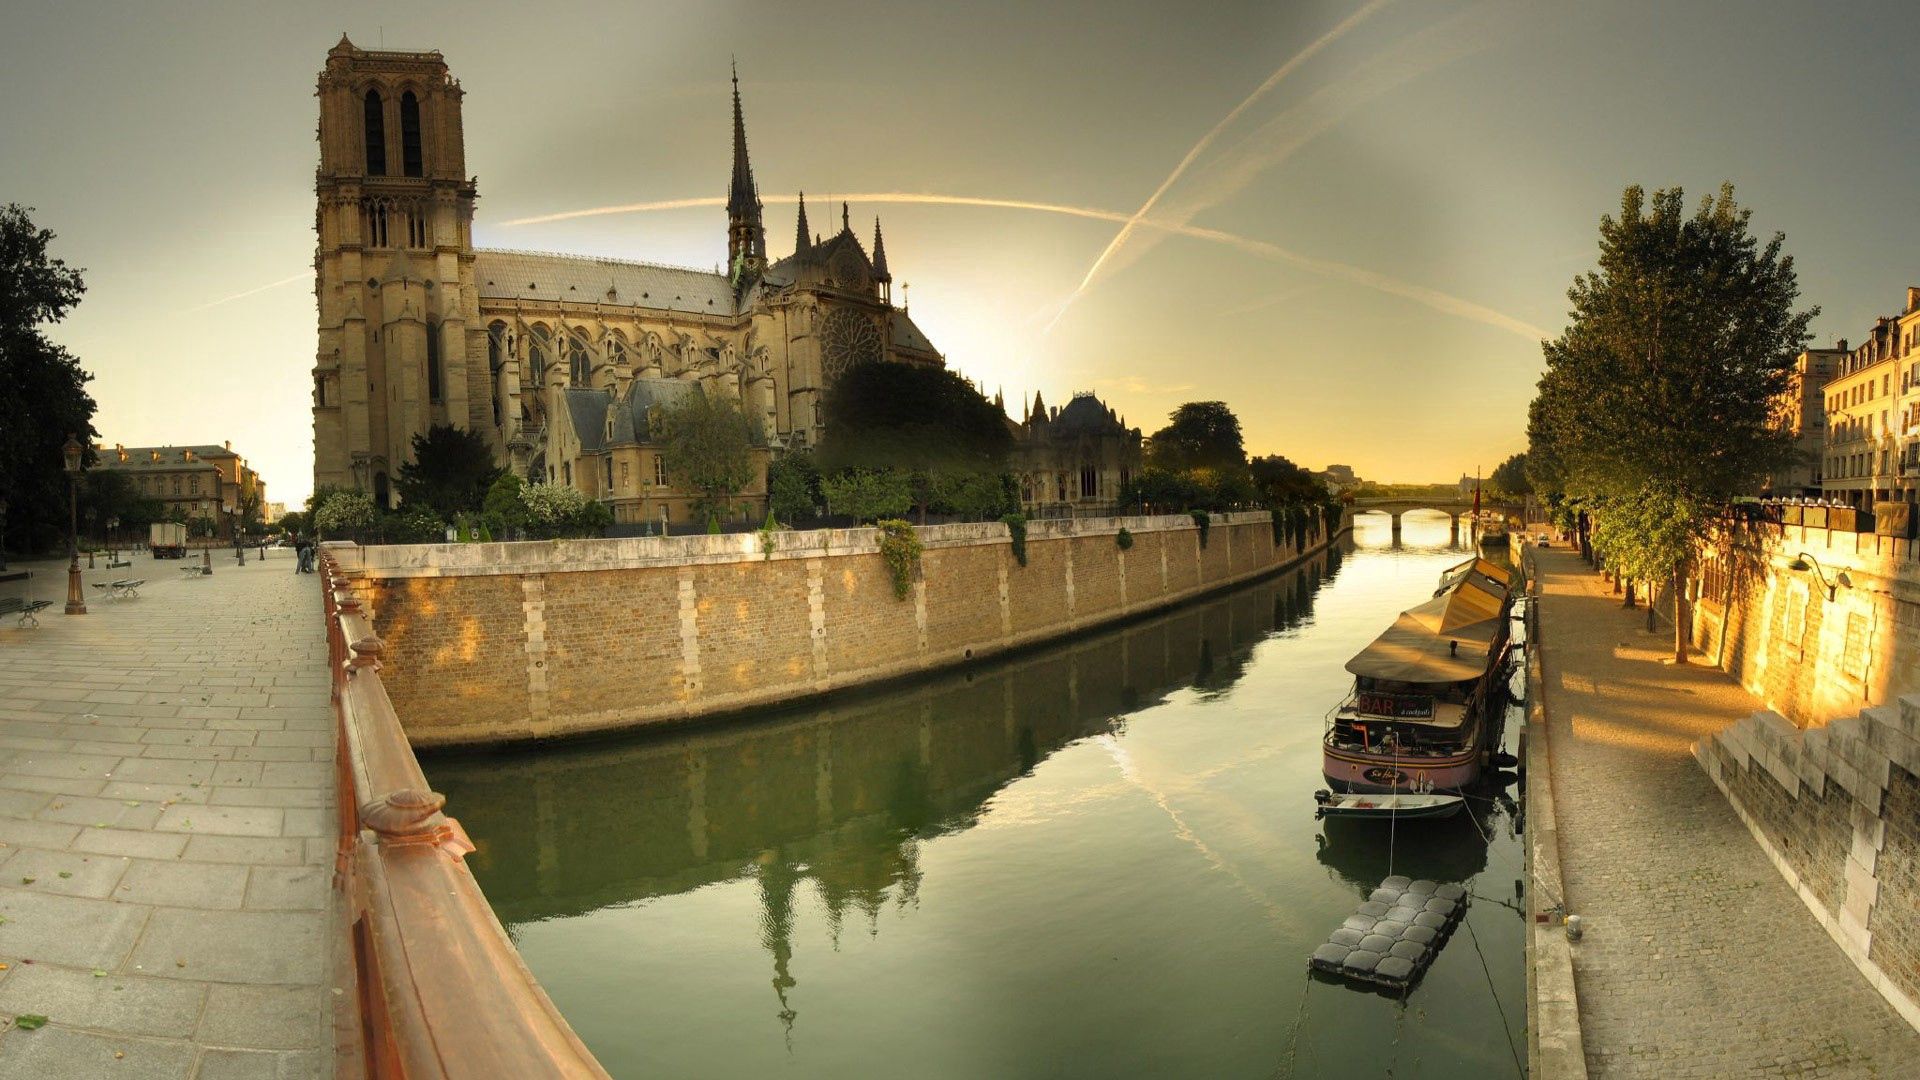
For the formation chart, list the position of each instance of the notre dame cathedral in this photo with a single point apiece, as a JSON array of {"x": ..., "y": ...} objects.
[{"x": 560, "y": 360}]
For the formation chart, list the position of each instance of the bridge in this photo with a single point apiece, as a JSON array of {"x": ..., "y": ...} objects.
[{"x": 1452, "y": 506}]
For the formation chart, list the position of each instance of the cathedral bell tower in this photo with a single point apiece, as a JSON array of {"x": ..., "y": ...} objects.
[
  {"x": 401, "y": 346},
  {"x": 746, "y": 235}
]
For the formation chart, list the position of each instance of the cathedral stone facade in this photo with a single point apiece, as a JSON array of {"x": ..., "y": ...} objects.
[{"x": 559, "y": 359}]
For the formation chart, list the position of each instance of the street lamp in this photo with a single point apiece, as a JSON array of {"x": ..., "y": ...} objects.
[
  {"x": 76, "y": 599},
  {"x": 1804, "y": 561}
]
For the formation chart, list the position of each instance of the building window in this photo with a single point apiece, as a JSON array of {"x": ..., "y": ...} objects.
[
  {"x": 433, "y": 361},
  {"x": 176, "y": 485},
  {"x": 1853, "y": 661},
  {"x": 579, "y": 361},
  {"x": 537, "y": 339},
  {"x": 626, "y": 474},
  {"x": 1089, "y": 482},
  {"x": 410, "y": 134},
  {"x": 1792, "y": 624},
  {"x": 376, "y": 135},
  {"x": 195, "y": 486},
  {"x": 659, "y": 471},
  {"x": 609, "y": 462},
  {"x": 566, "y": 473}
]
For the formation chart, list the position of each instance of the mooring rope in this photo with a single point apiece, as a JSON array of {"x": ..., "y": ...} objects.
[{"x": 1519, "y": 1069}]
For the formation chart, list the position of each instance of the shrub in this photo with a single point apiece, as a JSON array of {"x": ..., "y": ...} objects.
[
  {"x": 344, "y": 510},
  {"x": 415, "y": 525},
  {"x": 769, "y": 536},
  {"x": 1201, "y": 519},
  {"x": 868, "y": 495},
  {"x": 557, "y": 510},
  {"x": 1123, "y": 539},
  {"x": 1017, "y": 528},
  {"x": 900, "y": 546}
]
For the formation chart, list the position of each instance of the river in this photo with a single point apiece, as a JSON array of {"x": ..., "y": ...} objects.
[{"x": 1098, "y": 859}]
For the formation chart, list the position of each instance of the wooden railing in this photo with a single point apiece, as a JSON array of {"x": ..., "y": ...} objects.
[{"x": 432, "y": 987}]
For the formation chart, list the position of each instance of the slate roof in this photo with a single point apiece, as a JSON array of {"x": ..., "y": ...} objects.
[
  {"x": 1086, "y": 413},
  {"x": 582, "y": 279},
  {"x": 171, "y": 457},
  {"x": 908, "y": 336},
  {"x": 587, "y": 409}
]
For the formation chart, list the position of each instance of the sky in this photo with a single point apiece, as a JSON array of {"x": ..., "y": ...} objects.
[{"x": 1353, "y": 222}]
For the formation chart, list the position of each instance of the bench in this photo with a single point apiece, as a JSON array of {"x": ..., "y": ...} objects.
[
  {"x": 124, "y": 589},
  {"x": 121, "y": 565},
  {"x": 27, "y": 610},
  {"x": 190, "y": 569}
]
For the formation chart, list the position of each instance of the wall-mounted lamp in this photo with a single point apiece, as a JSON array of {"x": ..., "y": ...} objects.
[{"x": 1804, "y": 561}]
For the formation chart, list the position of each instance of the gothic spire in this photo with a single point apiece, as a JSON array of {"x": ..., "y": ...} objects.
[
  {"x": 880, "y": 255},
  {"x": 802, "y": 242},
  {"x": 845, "y": 225},
  {"x": 746, "y": 236}
]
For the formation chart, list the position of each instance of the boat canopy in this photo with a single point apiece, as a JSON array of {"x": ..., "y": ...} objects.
[{"x": 1446, "y": 639}]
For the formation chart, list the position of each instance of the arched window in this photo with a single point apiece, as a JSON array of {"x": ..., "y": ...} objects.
[
  {"x": 376, "y": 135},
  {"x": 496, "y": 363},
  {"x": 579, "y": 361},
  {"x": 410, "y": 134},
  {"x": 380, "y": 491},
  {"x": 433, "y": 362},
  {"x": 538, "y": 339},
  {"x": 616, "y": 349}
]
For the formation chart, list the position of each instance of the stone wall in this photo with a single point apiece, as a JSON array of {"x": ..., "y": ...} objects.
[
  {"x": 1837, "y": 809},
  {"x": 1813, "y": 657},
  {"x": 489, "y": 643}
]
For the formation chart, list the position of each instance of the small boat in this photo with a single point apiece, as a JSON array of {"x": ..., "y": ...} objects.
[{"x": 1382, "y": 806}]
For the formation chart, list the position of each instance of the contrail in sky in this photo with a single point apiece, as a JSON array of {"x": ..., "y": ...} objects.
[
  {"x": 1433, "y": 298},
  {"x": 1206, "y": 141},
  {"x": 306, "y": 275}
]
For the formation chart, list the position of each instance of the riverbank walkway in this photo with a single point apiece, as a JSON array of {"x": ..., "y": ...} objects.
[
  {"x": 166, "y": 837},
  {"x": 1698, "y": 960}
]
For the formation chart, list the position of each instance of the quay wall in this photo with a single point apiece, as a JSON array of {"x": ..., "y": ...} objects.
[
  {"x": 1837, "y": 809},
  {"x": 496, "y": 643},
  {"x": 1813, "y": 657}
]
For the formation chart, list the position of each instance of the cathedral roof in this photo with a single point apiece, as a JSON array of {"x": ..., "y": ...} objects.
[
  {"x": 585, "y": 279},
  {"x": 588, "y": 409},
  {"x": 908, "y": 336}
]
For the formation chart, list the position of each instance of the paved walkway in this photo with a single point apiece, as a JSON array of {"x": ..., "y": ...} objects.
[
  {"x": 1698, "y": 960},
  {"x": 165, "y": 828}
]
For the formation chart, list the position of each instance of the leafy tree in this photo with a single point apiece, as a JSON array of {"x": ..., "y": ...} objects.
[
  {"x": 912, "y": 418},
  {"x": 109, "y": 495},
  {"x": 793, "y": 487},
  {"x": 1656, "y": 404},
  {"x": 559, "y": 510},
  {"x": 868, "y": 494},
  {"x": 1203, "y": 435},
  {"x": 927, "y": 424},
  {"x": 708, "y": 447},
  {"x": 451, "y": 470},
  {"x": 43, "y": 395},
  {"x": 1282, "y": 483},
  {"x": 343, "y": 511},
  {"x": 1162, "y": 489},
  {"x": 503, "y": 511},
  {"x": 975, "y": 496},
  {"x": 294, "y": 522},
  {"x": 1511, "y": 476}
]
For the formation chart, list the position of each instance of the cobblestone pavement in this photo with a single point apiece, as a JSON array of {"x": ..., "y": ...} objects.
[
  {"x": 165, "y": 828},
  {"x": 1698, "y": 960}
]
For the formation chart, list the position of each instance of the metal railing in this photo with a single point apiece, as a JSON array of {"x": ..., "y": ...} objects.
[{"x": 433, "y": 988}]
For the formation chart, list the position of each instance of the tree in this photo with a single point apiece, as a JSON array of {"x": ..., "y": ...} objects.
[
  {"x": 927, "y": 425},
  {"x": 1203, "y": 435},
  {"x": 343, "y": 511},
  {"x": 708, "y": 447},
  {"x": 43, "y": 395},
  {"x": 1511, "y": 476},
  {"x": 868, "y": 494},
  {"x": 1282, "y": 483},
  {"x": 451, "y": 470},
  {"x": 1656, "y": 406},
  {"x": 503, "y": 511},
  {"x": 793, "y": 488},
  {"x": 913, "y": 418}
]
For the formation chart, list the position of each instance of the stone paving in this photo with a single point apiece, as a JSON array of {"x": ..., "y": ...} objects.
[
  {"x": 1698, "y": 960},
  {"x": 166, "y": 830}
]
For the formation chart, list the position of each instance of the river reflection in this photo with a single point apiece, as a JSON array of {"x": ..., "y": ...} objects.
[{"x": 1094, "y": 859}]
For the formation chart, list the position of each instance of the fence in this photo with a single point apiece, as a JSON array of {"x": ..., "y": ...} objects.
[{"x": 433, "y": 987}]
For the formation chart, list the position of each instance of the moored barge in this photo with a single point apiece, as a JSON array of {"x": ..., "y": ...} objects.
[{"x": 1428, "y": 700}]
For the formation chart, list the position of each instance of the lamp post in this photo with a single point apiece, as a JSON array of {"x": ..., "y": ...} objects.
[{"x": 76, "y": 599}]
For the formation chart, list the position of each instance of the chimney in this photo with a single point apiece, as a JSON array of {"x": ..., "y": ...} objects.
[
  {"x": 1841, "y": 345},
  {"x": 228, "y": 444},
  {"x": 1913, "y": 298}
]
